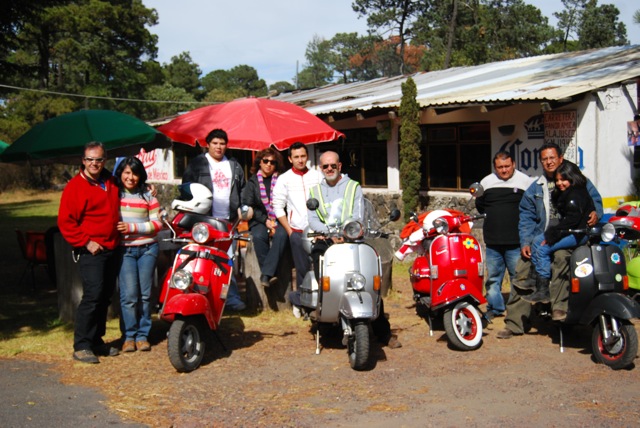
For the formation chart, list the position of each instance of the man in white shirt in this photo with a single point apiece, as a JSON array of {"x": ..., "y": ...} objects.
[
  {"x": 289, "y": 201},
  {"x": 225, "y": 178}
]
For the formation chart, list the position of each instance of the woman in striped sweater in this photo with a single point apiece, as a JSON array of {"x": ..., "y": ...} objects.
[{"x": 139, "y": 225}]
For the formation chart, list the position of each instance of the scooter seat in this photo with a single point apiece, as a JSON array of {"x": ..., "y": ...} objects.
[{"x": 190, "y": 219}]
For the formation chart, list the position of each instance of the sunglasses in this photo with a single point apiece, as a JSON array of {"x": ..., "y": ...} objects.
[
  {"x": 269, "y": 161},
  {"x": 332, "y": 165},
  {"x": 95, "y": 160}
]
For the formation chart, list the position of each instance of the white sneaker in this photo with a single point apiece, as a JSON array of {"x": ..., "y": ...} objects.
[{"x": 297, "y": 312}]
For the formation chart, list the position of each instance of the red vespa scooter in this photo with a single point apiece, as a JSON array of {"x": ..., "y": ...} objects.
[
  {"x": 447, "y": 275},
  {"x": 195, "y": 288}
]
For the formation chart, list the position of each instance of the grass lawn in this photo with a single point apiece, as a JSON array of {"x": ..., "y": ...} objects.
[{"x": 28, "y": 319}]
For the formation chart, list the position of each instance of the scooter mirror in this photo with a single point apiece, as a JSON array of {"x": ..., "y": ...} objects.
[
  {"x": 245, "y": 212},
  {"x": 395, "y": 215},
  {"x": 163, "y": 213},
  {"x": 413, "y": 216},
  {"x": 313, "y": 204},
  {"x": 476, "y": 190}
]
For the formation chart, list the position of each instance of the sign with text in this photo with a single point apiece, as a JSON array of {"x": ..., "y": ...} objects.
[
  {"x": 157, "y": 164},
  {"x": 560, "y": 128}
]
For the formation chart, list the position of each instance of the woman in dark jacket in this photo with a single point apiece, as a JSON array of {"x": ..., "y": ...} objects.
[
  {"x": 269, "y": 239},
  {"x": 574, "y": 204}
]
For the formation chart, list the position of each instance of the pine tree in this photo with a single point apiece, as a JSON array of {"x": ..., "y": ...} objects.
[{"x": 410, "y": 137}]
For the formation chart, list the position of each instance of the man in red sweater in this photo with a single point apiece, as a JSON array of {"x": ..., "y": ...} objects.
[{"x": 88, "y": 215}]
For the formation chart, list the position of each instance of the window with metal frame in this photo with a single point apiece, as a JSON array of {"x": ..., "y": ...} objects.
[
  {"x": 453, "y": 156},
  {"x": 363, "y": 156}
]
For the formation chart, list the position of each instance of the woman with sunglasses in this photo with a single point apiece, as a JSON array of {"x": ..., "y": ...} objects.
[{"x": 269, "y": 239}]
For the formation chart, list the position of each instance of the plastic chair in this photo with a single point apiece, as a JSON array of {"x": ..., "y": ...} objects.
[{"x": 34, "y": 251}]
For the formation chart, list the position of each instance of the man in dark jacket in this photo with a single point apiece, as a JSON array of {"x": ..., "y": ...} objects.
[
  {"x": 503, "y": 191},
  {"x": 225, "y": 178}
]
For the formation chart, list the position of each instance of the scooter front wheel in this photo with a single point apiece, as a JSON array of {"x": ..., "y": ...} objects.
[
  {"x": 185, "y": 345},
  {"x": 619, "y": 352},
  {"x": 358, "y": 347},
  {"x": 463, "y": 326}
]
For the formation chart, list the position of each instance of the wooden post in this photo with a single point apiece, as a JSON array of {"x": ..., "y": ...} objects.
[
  {"x": 68, "y": 279},
  {"x": 276, "y": 296}
]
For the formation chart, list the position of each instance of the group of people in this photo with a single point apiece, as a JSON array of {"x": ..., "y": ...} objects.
[
  {"x": 112, "y": 222},
  {"x": 525, "y": 233}
]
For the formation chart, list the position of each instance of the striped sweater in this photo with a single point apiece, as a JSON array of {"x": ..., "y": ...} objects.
[{"x": 141, "y": 216}]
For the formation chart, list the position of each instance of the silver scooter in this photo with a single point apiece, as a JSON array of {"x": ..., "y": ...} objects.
[{"x": 347, "y": 292}]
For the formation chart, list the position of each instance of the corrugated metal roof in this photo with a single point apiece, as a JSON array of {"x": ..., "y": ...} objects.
[{"x": 544, "y": 78}]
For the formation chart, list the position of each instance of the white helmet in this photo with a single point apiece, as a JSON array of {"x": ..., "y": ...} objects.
[
  {"x": 427, "y": 223},
  {"x": 194, "y": 198}
]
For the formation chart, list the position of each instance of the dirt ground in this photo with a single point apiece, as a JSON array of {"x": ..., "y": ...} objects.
[{"x": 270, "y": 376}]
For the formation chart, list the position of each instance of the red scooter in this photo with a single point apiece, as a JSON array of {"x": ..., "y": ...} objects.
[
  {"x": 447, "y": 275},
  {"x": 194, "y": 289}
]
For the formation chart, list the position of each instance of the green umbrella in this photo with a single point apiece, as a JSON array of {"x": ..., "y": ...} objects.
[
  {"x": 3, "y": 146},
  {"x": 62, "y": 138}
]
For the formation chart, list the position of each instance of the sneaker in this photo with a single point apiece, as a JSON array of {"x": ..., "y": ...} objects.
[
  {"x": 558, "y": 315},
  {"x": 86, "y": 356},
  {"x": 265, "y": 280},
  {"x": 297, "y": 312},
  {"x": 273, "y": 280},
  {"x": 505, "y": 334},
  {"x": 143, "y": 345},
  {"x": 105, "y": 350},
  {"x": 129, "y": 346}
]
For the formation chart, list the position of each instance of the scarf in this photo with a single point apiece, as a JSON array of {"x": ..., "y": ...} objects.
[{"x": 263, "y": 193}]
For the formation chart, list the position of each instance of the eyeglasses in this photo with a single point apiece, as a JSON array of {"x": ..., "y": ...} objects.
[
  {"x": 332, "y": 165},
  {"x": 95, "y": 160},
  {"x": 269, "y": 161}
]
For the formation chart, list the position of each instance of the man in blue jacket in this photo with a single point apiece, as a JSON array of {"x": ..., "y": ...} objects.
[{"x": 536, "y": 214}]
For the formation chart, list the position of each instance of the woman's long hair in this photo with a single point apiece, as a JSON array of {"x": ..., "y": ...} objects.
[
  {"x": 264, "y": 153},
  {"x": 138, "y": 169},
  {"x": 571, "y": 172}
]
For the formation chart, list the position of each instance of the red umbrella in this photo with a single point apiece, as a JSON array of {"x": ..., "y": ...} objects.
[{"x": 251, "y": 124}]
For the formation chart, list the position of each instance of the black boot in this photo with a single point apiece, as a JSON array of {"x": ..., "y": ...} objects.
[
  {"x": 527, "y": 284},
  {"x": 541, "y": 294}
]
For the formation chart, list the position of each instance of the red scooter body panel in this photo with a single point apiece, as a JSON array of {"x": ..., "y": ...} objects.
[
  {"x": 210, "y": 284},
  {"x": 455, "y": 270}
]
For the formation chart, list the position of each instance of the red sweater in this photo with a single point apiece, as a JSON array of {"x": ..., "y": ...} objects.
[{"x": 90, "y": 212}]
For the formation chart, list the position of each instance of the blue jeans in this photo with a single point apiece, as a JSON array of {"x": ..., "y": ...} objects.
[
  {"x": 268, "y": 250},
  {"x": 301, "y": 259},
  {"x": 541, "y": 255},
  {"x": 233, "y": 302},
  {"x": 498, "y": 258},
  {"x": 135, "y": 281}
]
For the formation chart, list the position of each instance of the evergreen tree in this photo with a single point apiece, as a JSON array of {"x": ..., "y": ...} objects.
[{"x": 410, "y": 137}]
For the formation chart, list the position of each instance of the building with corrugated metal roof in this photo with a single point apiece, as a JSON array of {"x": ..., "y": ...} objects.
[{"x": 584, "y": 101}]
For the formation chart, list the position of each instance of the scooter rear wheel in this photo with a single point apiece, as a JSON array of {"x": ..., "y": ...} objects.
[
  {"x": 463, "y": 326},
  {"x": 185, "y": 344},
  {"x": 358, "y": 347},
  {"x": 619, "y": 354}
]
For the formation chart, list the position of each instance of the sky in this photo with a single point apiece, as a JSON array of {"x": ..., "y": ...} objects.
[{"x": 272, "y": 35}]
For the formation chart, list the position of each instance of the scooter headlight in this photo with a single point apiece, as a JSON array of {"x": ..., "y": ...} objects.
[
  {"x": 357, "y": 282},
  {"x": 181, "y": 280},
  {"x": 608, "y": 232},
  {"x": 353, "y": 229},
  {"x": 200, "y": 233},
  {"x": 441, "y": 225}
]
